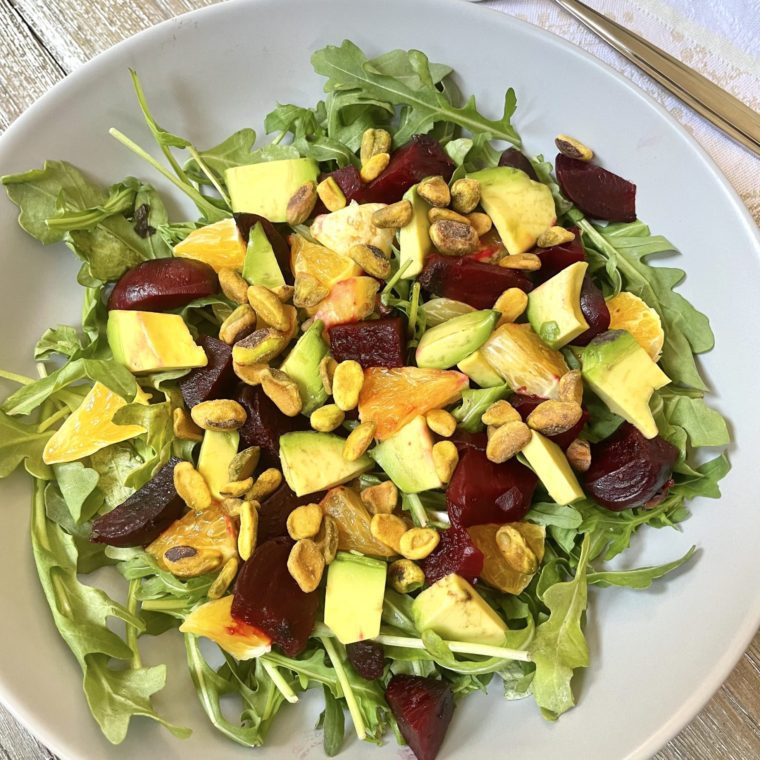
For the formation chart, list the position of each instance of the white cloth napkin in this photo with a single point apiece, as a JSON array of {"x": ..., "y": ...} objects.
[{"x": 718, "y": 38}]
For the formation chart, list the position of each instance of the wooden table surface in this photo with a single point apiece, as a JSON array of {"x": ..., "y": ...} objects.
[{"x": 41, "y": 41}]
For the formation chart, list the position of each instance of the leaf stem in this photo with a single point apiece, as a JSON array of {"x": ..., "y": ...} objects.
[
  {"x": 14, "y": 378},
  {"x": 132, "y": 631},
  {"x": 282, "y": 685},
  {"x": 164, "y": 605},
  {"x": 214, "y": 181},
  {"x": 460, "y": 647},
  {"x": 416, "y": 508},
  {"x": 340, "y": 672}
]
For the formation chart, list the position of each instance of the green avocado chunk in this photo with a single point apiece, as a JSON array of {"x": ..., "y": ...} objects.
[
  {"x": 454, "y": 610},
  {"x": 446, "y": 344},
  {"x": 314, "y": 461},
  {"x": 354, "y": 597},
  {"x": 521, "y": 209},
  {"x": 302, "y": 365},
  {"x": 414, "y": 239},
  {"x": 553, "y": 470},
  {"x": 477, "y": 368},
  {"x": 624, "y": 376},
  {"x": 260, "y": 266},
  {"x": 265, "y": 188},
  {"x": 218, "y": 449}
]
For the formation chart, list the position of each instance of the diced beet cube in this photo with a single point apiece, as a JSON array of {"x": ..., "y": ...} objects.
[
  {"x": 464, "y": 440},
  {"x": 367, "y": 658},
  {"x": 246, "y": 222},
  {"x": 595, "y": 312},
  {"x": 144, "y": 515},
  {"x": 376, "y": 343},
  {"x": 265, "y": 423},
  {"x": 275, "y": 510},
  {"x": 215, "y": 380},
  {"x": 559, "y": 257},
  {"x": 455, "y": 553},
  {"x": 627, "y": 469},
  {"x": 518, "y": 160},
  {"x": 423, "y": 708},
  {"x": 596, "y": 191},
  {"x": 267, "y": 597},
  {"x": 525, "y": 404},
  {"x": 350, "y": 182},
  {"x": 482, "y": 491},
  {"x": 473, "y": 282},
  {"x": 421, "y": 157}
]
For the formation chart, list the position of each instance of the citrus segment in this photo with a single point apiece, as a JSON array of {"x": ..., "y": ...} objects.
[
  {"x": 90, "y": 428},
  {"x": 629, "y": 312},
  {"x": 391, "y": 398},
  {"x": 327, "y": 266},
  {"x": 219, "y": 245}
]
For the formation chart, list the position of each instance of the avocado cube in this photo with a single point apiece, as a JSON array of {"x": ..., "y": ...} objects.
[
  {"x": 414, "y": 242},
  {"x": 550, "y": 464},
  {"x": 217, "y": 451},
  {"x": 477, "y": 368},
  {"x": 260, "y": 266},
  {"x": 302, "y": 365}
]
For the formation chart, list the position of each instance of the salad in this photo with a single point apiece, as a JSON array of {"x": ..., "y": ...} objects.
[{"x": 372, "y": 424}]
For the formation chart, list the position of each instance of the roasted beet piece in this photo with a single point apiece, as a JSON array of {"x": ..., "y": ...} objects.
[
  {"x": 525, "y": 404},
  {"x": 559, "y": 257},
  {"x": 596, "y": 191},
  {"x": 267, "y": 597},
  {"x": 628, "y": 470},
  {"x": 464, "y": 440},
  {"x": 163, "y": 284},
  {"x": 144, "y": 515},
  {"x": 455, "y": 553},
  {"x": 518, "y": 160},
  {"x": 215, "y": 380},
  {"x": 275, "y": 509},
  {"x": 423, "y": 708},
  {"x": 246, "y": 222},
  {"x": 265, "y": 423},
  {"x": 482, "y": 491},
  {"x": 367, "y": 657},
  {"x": 421, "y": 157},
  {"x": 465, "y": 279},
  {"x": 595, "y": 312},
  {"x": 376, "y": 343}
]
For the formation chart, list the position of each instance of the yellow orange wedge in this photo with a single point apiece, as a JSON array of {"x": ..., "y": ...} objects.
[
  {"x": 628, "y": 312},
  {"x": 320, "y": 262},
  {"x": 219, "y": 245}
]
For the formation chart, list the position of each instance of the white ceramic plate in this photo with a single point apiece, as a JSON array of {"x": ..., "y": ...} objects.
[{"x": 657, "y": 655}]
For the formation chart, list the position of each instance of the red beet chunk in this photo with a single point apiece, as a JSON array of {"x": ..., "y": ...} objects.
[
  {"x": 482, "y": 491},
  {"x": 265, "y": 423},
  {"x": 367, "y": 658},
  {"x": 465, "y": 279},
  {"x": 559, "y": 257},
  {"x": 267, "y": 597},
  {"x": 246, "y": 222},
  {"x": 525, "y": 404},
  {"x": 163, "y": 284},
  {"x": 275, "y": 510},
  {"x": 144, "y": 515},
  {"x": 518, "y": 160},
  {"x": 377, "y": 343},
  {"x": 627, "y": 469},
  {"x": 455, "y": 553},
  {"x": 215, "y": 380},
  {"x": 464, "y": 440},
  {"x": 595, "y": 312},
  {"x": 421, "y": 157},
  {"x": 423, "y": 708},
  {"x": 596, "y": 191}
]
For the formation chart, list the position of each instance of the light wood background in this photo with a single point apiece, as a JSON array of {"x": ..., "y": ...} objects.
[{"x": 41, "y": 41}]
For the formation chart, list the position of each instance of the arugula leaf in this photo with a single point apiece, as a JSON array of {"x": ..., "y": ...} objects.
[
  {"x": 120, "y": 200},
  {"x": 559, "y": 645},
  {"x": 236, "y": 150},
  {"x": 441, "y": 653},
  {"x": 78, "y": 486},
  {"x": 706, "y": 484},
  {"x": 704, "y": 426},
  {"x": 21, "y": 443},
  {"x": 640, "y": 577},
  {"x": 474, "y": 404},
  {"x": 333, "y": 724},
  {"x": 154, "y": 446},
  {"x": 63, "y": 340},
  {"x": 548, "y": 513},
  {"x": 114, "y": 465}
]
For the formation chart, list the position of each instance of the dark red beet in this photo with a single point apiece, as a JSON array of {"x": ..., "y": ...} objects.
[
  {"x": 628, "y": 470},
  {"x": 267, "y": 597},
  {"x": 265, "y": 423},
  {"x": 421, "y": 157},
  {"x": 595, "y": 312},
  {"x": 423, "y": 708},
  {"x": 559, "y": 257},
  {"x": 376, "y": 343},
  {"x": 518, "y": 160},
  {"x": 144, "y": 515},
  {"x": 215, "y": 380},
  {"x": 465, "y": 279},
  {"x": 275, "y": 509},
  {"x": 367, "y": 658},
  {"x": 464, "y": 440},
  {"x": 455, "y": 553},
  {"x": 482, "y": 491},
  {"x": 525, "y": 404},
  {"x": 163, "y": 284},
  {"x": 246, "y": 222},
  {"x": 596, "y": 191}
]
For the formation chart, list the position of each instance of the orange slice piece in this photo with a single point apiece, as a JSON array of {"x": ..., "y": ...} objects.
[
  {"x": 320, "y": 262},
  {"x": 219, "y": 245},
  {"x": 393, "y": 397},
  {"x": 629, "y": 312}
]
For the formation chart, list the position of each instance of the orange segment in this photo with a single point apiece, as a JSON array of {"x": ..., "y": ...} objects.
[
  {"x": 628, "y": 312},
  {"x": 320, "y": 262},
  {"x": 496, "y": 572},
  {"x": 393, "y": 397},
  {"x": 219, "y": 245},
  {"x": 89, "y": 428}
]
